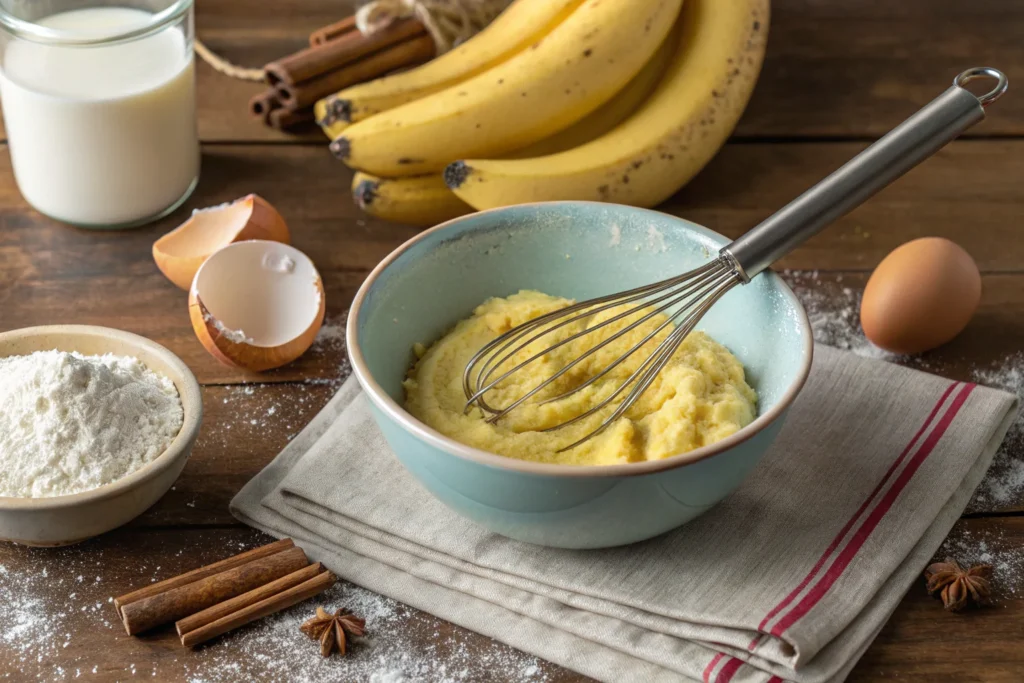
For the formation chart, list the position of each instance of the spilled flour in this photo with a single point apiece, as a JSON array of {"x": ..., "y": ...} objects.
[
  {"x": 275, "y": 650},
  {"x": 834, "y": 312},
  {"x": 58, "y": 595},
  {"x": 52, "y": 597},
  {"x": 1004, "y": 483},
  {"x": 330, "y": 342},
  {"x": 970, "y": 546}
]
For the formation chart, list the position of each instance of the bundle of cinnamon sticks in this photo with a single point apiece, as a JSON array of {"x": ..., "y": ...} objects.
[
  {"x": 212, "y": 600},
  {"x": 338, "y": 56}
]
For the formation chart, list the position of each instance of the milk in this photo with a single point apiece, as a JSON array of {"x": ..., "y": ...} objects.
[{"x": 102, "y": 135}]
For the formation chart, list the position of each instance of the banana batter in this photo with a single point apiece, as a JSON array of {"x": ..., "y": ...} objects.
[{"x": 699, "y": 398}]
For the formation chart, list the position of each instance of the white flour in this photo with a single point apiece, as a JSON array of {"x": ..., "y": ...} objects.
[
  {"x": 52, "y": 597},
  {"x": 833, "y": 310},
  {"x": 969, "y": 545},
  {"x": 70, "y": 423},
  {"x": 834, "y": 314},
  {"x": 1004, "y": 483}
]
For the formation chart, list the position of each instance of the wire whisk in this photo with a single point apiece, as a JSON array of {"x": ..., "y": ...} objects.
[{"x": 674, "y": 307}]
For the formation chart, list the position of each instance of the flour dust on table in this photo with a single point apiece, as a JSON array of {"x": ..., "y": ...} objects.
[
  {"x": 275, "y": 650},
  {"x": 51, "y": 596},
  {"x": 834, "y": 313},
  {"x": 1004, "y": 484},
  {"x": 972, "y": 546}
]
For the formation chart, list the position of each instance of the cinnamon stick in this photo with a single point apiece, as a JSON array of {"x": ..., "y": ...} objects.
[
  {"x": 223, "y": 609},
  {"x": 270, "y": 605},
  {"x": 283, "y": 119},
  {"x": 181, "y": 601},
  {"x": 262, "y": 105},
  {"x": 300, "y": 95},
  {"x": 201, "y": 573},
  {"x": 334, "y": 54},
  {"x": 332, "y": 31}
]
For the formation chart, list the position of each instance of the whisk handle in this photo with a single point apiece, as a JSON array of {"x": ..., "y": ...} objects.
[{"x": 907, "y": 145}]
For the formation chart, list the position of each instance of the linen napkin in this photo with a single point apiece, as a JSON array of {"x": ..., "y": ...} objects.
[{"x": 789, "y": 578}]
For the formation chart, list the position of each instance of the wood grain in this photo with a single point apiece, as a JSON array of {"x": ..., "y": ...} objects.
[
  {"x": 79, "y": 579},
  {"x": 837, "y": 74},
  {"x": 921, "y": 643},
  {"x": 244, "y": 428},
  {"x": 115, "y": 281},
  {"x": 833, "y": 69},
  {"x": 856, "y": 69}
]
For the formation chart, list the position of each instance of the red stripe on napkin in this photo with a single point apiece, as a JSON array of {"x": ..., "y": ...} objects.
[
  {"x": 711, "y": 666},
  {"x": 862, "y": 534},
  {"x": 729, "y": 670},
  {"x": 842, "y": 532}
]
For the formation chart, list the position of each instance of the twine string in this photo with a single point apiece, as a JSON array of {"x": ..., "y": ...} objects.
[{"x": 449, "y": 23}]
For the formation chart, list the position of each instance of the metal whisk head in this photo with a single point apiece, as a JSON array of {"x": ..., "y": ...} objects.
[{"x": 682, "y": 300}]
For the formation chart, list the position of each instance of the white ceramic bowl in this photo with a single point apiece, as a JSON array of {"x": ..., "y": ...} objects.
[{"x": 60, "y": 520}]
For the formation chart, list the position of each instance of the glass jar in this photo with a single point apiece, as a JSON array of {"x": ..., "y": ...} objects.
[{"x": 99, "y": 105}]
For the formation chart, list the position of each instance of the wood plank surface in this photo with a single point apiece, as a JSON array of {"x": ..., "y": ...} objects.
[
  {"x": 833, "y": 69},
  {"x": 856, "y": 69},
  {"x": 923, "y": 643},
  {"x": 71, "y": 627},
  {"x": 743, "y": 185},
  {"x": 244, "y": 428},
  {"x": 59, "y": 623},
  {"x": 837, "y": 74},
  {"x": 852, "y": 69},
  {"x": 115, "y": 278}
]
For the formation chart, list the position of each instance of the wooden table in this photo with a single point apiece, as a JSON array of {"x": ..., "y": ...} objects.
[{"x": 838, "y": 75}]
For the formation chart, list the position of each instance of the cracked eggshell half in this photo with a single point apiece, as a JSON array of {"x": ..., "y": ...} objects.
[
  {"x": 181, "y": 252},
  {"x": 257, "y": 304}
]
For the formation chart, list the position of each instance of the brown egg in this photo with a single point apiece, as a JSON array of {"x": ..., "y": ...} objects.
[{"x": 920, "y": 296}]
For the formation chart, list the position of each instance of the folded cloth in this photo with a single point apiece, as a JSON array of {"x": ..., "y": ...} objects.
[{"x": 789, "y": 578}]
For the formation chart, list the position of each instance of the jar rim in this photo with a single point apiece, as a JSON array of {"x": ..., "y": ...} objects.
[{"x": 29, "y": 30}]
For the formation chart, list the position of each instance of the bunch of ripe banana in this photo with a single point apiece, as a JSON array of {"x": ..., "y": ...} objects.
[{"x": 608, "y": 100}]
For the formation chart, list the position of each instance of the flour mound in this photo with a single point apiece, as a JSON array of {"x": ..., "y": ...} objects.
[{"x": 71, "y": 423}]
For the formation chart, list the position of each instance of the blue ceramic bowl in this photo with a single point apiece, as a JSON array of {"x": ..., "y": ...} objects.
[{"x": 577, "y": 250}]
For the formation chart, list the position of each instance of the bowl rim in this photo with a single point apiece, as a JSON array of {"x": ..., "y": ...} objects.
[
  {"x": 189, "y": 393},
  {"x": 384, "y": 402}
]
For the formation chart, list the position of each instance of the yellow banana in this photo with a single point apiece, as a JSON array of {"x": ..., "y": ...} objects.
[
  {"x": 560, "y": 79},
  {"x": 417, "y": 200},
  {"x": 650, "y": 155},
  {"x": 522, "y": 24},
  {"x": 611, "y": 113}
]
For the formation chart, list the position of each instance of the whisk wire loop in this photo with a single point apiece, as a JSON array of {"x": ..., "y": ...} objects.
[
  {"x": 496, "y": 358},
  {"x": 682, "y": 298},
  {"x": 648, "y": 371},
  {"x": 490, "y": 367},
  {"x": 677, "y": 298}
]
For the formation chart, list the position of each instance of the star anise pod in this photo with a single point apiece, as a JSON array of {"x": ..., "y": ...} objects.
[
  {"x": 333, "y": 630},
  {"x": 957, "y": 585}
]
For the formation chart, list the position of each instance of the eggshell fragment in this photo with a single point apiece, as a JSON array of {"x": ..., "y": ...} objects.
[
  {"x": 920, "y": 296},
  {"x": 257, "y": 304},
  {"x": 181, "y": 252}
]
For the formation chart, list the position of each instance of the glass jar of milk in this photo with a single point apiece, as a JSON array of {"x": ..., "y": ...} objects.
[{"x": 99, "y": 105}]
